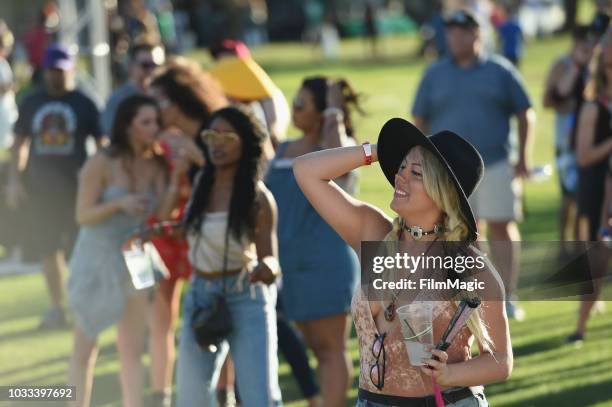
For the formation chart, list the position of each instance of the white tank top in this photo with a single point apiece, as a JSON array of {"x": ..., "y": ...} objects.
[{"x": 206, "y": 249}]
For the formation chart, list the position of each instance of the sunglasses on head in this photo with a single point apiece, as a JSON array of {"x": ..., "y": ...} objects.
[{"x": 213, "y": 136}]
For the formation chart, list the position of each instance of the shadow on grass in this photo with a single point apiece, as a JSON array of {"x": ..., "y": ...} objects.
[
  {"x": 289, "y": 388},
  {"x": 538, "y": 218},
  {"x": 594, "y": 333},
  {"x": 106, "y": 389},
  {"x": 30, "y": 332},
  {"x": 23, "y": 369},
  {"x": 543, "y": 324},
  {"x": 291, "y": 391},
  {"x": 35, "y": 310},
  {"x": 544, "y": 377},
  {"x": 105, "y": 352},
  {"x": 33, "y": 303},
  {"x": 539, "y": 346},
  {"x": 577, "y": 396}
]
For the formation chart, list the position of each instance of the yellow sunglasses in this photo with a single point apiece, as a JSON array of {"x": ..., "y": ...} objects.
[{"x": 213, "y": 136}]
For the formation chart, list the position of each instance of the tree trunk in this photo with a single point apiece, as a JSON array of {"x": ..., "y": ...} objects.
[{"x": 571, "y": 7}]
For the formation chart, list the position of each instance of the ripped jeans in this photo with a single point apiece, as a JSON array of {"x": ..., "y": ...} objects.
[{"x": 252, "y": 342}]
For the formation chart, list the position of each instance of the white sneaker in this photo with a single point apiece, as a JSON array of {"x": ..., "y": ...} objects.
[{"x": 514, "y": 311}]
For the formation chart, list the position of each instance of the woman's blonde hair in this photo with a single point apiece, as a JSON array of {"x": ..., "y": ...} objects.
[{"x": 440, "y": 187}]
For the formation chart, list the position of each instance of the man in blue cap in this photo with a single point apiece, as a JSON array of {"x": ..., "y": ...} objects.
[
  {"x": 49, "y": 149},
  {"x": 477, "y": 95}
]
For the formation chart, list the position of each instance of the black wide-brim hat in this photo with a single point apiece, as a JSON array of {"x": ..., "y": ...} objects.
[{"x": 461, "y": 160}]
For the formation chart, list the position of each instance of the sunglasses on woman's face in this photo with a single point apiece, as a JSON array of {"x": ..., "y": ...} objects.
[
  {"x": 377, "y": 371},
  {"x": 213, "y": 136}
]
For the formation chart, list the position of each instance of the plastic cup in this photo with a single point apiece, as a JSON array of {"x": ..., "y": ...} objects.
[
  {"x": 139, "y": 265},
  {"x": 416, "y": 323}
]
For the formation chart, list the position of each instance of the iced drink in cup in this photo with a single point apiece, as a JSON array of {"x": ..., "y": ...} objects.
[{"x": 416, "y": 322}]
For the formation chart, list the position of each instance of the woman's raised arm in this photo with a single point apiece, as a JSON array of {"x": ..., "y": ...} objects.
[{"x": 352, "y": 219}]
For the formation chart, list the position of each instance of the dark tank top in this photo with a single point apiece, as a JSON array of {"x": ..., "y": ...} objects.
[{"x": 592, "y": 178}]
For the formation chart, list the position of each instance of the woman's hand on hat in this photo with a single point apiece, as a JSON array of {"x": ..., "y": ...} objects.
[{"x": 436, "y": 366}]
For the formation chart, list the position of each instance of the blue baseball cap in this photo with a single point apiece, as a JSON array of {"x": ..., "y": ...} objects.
[{"x": 58, "y": 56}]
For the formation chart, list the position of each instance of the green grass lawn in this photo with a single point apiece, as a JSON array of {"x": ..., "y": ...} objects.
[{"x": 547, "y": 372}]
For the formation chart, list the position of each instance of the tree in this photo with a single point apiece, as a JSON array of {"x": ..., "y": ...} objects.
[{"x": 570, "y": 7}]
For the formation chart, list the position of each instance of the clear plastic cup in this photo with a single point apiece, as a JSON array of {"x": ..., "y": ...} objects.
[
  {"x": 139, "y": 265},
  {"x": 416, "y": 323}
]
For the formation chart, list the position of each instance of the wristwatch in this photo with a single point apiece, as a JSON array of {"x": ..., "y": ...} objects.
[{"x": 367, "y": 152}]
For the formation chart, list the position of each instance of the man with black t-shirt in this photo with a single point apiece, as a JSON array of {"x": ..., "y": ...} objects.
[{"x": 49, "y": 149}]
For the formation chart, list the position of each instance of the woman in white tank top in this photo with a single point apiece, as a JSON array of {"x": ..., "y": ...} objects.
[{"x": 231, "y": 228}]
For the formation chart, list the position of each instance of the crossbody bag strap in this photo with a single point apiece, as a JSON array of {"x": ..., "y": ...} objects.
[{"x": 225, "y": 249}]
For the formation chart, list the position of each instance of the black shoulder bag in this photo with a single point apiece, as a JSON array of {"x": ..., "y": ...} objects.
[{"x": 211, "y": 325}]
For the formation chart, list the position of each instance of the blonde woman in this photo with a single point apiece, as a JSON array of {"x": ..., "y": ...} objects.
[{"x": 433, "y": 177}]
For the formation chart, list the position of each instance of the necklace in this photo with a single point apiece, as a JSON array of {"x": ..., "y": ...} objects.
[
  {"x": 389, "y": 312},
  {"x": 417, "y": 232}
]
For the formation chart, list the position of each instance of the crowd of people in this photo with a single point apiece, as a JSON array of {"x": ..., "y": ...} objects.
[
  {"x": 578, "y": 90},
  {"x": 197, "y": 162}
]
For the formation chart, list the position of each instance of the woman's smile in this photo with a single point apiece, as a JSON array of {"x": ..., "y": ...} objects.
[{"x": 400, "y": 193}]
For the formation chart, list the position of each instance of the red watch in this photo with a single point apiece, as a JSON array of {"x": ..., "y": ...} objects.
[{"x": 367, "y": 153}]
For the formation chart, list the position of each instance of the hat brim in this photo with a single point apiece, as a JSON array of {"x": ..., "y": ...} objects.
[
  {"x": 62, "y": 64},
  {"x": 243, "y": 79},
  {"x": 395, "y": 140}
]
